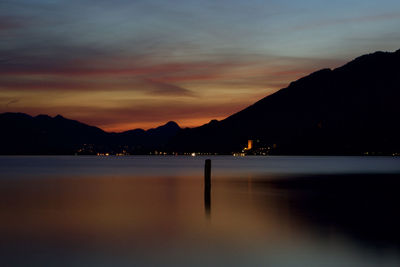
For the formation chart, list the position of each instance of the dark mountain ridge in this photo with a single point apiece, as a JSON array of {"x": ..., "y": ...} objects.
[
  {"x": 24, "y": 134},
  {"x": 352, "y": 109},
  {"x": 348, "y": 110}
]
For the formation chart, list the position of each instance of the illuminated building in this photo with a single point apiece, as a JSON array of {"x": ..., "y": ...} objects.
[{"x": 249, "y": 144}]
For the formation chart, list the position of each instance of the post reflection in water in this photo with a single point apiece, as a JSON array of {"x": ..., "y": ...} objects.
[
  {"x": 207, "y": 188},
  {"x": 207, "y": 201}
]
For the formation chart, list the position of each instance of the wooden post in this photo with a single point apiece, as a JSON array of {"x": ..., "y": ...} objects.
[{"x": 207, "y": 187}]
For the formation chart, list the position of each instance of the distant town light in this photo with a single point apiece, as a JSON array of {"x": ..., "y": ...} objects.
[{"x": 249, "y": 144}]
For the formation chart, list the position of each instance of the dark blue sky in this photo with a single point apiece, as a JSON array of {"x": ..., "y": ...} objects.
[{"x": 124, "y": 64}]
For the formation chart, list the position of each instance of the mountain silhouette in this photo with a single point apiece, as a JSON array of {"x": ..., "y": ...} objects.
[
  {"x": 352, "y": 109},
  {"x": 348, "y": 110},
  {"x": 142, "y": 142},
  {"x": 24, "y": 134}
]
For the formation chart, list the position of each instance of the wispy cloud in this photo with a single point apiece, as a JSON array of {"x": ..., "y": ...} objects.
[
  {"x": 349, "y": 20},
  {"x": 161, "y": 88},
  {"x": 7, "y": 23}
]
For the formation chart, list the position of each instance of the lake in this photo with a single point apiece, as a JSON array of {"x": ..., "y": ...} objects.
[{"x": 154, "y": 211}]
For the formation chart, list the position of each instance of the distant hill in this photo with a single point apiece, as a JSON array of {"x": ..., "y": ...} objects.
[
  {"x": 353, "y": 109},
  {"x": 24, "y": 134},
  {"x": 348, "y": 110},
  {"x": 141, "y": 141}
]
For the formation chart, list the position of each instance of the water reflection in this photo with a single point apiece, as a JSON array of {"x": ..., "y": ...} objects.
[
  {"x": 207, "y": 188},
  {"x": 130, "y": 219},
  {"x": 363, "y": 207},
  {"x": 207, "y": 201}
]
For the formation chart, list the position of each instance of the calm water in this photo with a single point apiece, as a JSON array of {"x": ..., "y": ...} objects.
[{"x": 261, "y": 211}]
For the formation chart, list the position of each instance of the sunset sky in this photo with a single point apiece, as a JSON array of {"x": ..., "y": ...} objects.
[{"x": 125, "y": 64}]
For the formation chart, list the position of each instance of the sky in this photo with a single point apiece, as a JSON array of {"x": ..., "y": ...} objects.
[{"x": 126, "y": 64}]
